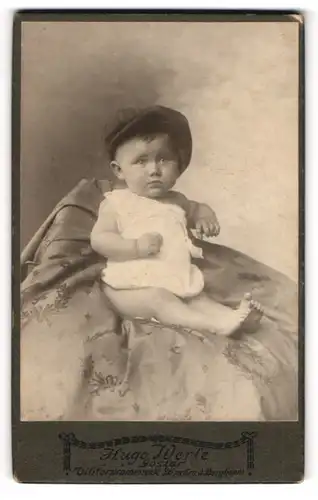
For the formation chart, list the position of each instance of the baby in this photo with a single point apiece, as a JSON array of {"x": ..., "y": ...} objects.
[{"x": 142, "y": 230}]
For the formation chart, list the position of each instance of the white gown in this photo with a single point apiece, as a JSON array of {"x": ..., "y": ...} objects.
[{"x": 171, "y": 268}]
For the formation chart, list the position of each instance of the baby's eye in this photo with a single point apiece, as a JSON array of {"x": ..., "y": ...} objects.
[
  {"x": 163, "y": 159},
  {"x": 140, "y": 161},
  {"x": 166, "y": 158}
]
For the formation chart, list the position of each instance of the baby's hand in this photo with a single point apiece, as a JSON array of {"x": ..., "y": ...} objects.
[
  {"x": 207, "y": 225},
  {"x": 149, "y": 244}
]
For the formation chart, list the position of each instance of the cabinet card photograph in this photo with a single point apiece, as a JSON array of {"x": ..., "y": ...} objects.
[{"x": 158, "y": 172}]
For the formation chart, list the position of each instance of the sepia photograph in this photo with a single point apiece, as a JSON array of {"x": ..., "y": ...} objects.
[
  {"x": 159, "y": 221},
  {"x": 158, "y": 247}
]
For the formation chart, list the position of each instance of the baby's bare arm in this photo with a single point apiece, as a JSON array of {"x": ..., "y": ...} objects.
[
  {"x": 199, "y": 216},
  {"x": 107, "y": 241}
]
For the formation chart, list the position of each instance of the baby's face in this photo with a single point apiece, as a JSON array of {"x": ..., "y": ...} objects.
[{"x": 148, "y": 167}]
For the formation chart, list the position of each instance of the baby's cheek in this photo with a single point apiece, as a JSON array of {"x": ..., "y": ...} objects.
[
  {"x": 139, "y": 179},
  {"x": 171, "y": 178}
]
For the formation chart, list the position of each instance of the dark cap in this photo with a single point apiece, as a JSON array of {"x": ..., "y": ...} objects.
[{"x": 131, "y": 122}]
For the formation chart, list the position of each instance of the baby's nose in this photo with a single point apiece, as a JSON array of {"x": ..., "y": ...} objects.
[{"x": 154, "y": 168}]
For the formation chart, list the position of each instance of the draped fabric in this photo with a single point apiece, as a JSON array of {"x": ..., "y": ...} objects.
[{"x": 81, "y": 361}]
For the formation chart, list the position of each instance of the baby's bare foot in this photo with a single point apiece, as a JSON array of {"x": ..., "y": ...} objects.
[
  {"x": 252, "y": 321},
  {"x": 246, "y": 317}
]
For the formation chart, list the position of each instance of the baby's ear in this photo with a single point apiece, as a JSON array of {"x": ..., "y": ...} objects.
[{"x": 115, "y": 167}]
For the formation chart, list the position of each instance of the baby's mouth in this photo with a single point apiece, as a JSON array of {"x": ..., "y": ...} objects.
[{"x": 155, "y": 183}]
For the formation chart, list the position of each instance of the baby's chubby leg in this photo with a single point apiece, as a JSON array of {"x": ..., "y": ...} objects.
[
  {"x": 200, "y": 313},
  {"x": 157, "y": 303}
]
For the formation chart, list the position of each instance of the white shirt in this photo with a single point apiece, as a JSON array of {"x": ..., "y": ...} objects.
[{"x": 171, "y": 268}]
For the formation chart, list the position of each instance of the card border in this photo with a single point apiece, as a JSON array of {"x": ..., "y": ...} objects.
[{"x": 19, "y": 428}]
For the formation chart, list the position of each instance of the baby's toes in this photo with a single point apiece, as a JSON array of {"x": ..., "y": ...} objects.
[
  {"x": 255, "y": 305},
  {"x": 258, "y": 307}
]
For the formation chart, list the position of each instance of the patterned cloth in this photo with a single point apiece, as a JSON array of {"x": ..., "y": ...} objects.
[{"x": 81, "y": 361}]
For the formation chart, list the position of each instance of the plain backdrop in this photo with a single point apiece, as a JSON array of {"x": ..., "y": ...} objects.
[{"x": 237, "y": 83}]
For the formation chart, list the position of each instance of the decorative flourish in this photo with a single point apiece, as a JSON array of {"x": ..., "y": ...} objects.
[
  {"x": 236, "y": 353},
  {"x": 100, "y": 382},
  {"x": 63, "y": 296},
  {"x": 69, "y": 440}
]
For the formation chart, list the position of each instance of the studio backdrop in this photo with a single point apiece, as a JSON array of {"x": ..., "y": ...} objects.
[{"x": 237, "y": 83}]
